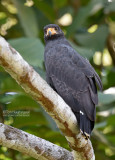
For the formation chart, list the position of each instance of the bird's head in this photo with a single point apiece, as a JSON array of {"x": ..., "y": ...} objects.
[{"x": 52, "y": 31}]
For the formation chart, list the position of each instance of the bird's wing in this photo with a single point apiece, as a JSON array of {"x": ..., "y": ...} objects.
[{"x": 74, "y": 79}]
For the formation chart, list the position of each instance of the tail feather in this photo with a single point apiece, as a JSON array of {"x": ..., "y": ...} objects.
[{"x": 86, "y": 125}]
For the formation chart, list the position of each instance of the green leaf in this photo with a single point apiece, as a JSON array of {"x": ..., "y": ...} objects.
[
  {"x": 78, "y": 20},
  {"x": 106, "y": 111},
  {"x": 110, "y": 77},
  {"x": 111, "y": 120},
  {"x": 31, "y": 49},
  {"x": 60, "y": 3},
  {"x": 111, "y": 139},
  {"x": 94, "y": 40},
  {"x": 33, "y": 129},
  {"x": 57, "y": 138},
  {"x": 8, "y": 84},
  {"x": 4, "y": 98},
  {"x": 83, "y": 13},
  {"x": 100, "y": 125},
  {"x": 46, "y": 8},
  {"x": 41, "y": 72},
  {"x": 106, "y": 98},
  {"x": 110, "y": 6},
  {"x": 51, "y": 122},
  {"x": 27, "y": 18},
  {"x": 22, "y": 101},
  {"x": 102, "y": 138},
  {"x": 32, "y": 118}
]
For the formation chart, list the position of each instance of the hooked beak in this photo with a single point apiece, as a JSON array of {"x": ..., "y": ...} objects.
[{"x": 51, "y": 31}]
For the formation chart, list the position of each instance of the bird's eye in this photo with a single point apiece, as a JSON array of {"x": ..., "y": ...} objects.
[
  {"x": 56, "y": 29},
  {"x": 45, "y": 31}
]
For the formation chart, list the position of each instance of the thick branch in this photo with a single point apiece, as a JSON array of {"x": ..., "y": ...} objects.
[
  {"x": 31, "y": 145},
  {"x": 33, "y": 84}
]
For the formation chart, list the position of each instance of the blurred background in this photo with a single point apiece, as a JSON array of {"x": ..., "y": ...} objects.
[{"x": 90, "y": 28}]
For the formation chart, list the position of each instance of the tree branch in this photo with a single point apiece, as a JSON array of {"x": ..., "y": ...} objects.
[
  {"x": 35, "y": 86},
  {"x": 31, "y": 145}
]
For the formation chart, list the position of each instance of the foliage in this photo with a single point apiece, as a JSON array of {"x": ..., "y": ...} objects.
[{"x": 90, "y": 29}]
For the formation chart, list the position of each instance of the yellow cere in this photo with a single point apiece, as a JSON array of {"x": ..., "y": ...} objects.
[{"x": 52, "y": 30}]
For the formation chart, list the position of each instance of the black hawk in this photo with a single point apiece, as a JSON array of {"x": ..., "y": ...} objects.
[{"x": 72, "y": 77}]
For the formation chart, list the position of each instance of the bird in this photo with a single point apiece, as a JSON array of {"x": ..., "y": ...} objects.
[{"x": 72, "y": 77}]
